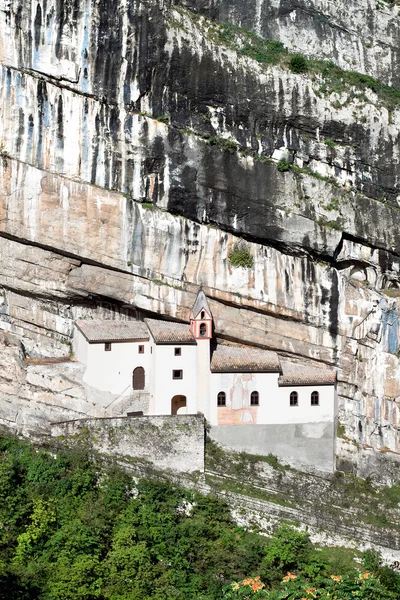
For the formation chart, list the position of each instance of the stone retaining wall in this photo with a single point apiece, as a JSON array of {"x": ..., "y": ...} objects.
[{"x": 167, "y": 442}]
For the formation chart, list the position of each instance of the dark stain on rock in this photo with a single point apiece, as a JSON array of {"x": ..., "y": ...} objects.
[
  {"x": 42, "y": 101},
  {"x": 60, "y": 121},
  {"x": 287, "y": 282},
  {"x": 334, "y": 303},
  {"x": 95, "y": 154},
  {"x": 21, "y": 129},
  {"x": 37, "y": 26}
]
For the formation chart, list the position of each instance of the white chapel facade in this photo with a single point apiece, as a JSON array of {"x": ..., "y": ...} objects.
[{"x": 253, "y": 400}]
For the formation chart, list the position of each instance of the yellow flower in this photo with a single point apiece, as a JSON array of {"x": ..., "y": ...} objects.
[
  {"x": 336, "y": 578},
  {"x": 288, "y": 577},
  {"x": 310, "y": 591},
  {"x": 235, "y": 585}
]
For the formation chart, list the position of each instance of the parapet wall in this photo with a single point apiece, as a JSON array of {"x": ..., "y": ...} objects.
[{"x": 166, "y": 442}]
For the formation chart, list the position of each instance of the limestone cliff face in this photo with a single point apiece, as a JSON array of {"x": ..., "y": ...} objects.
[
  {"x": 139, "y": 144},
  {"x": 361, "y": 35}
]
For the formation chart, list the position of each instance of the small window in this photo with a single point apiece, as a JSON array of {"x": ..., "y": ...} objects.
[
  {"x": 203, "y": 330},
  {"x": 177, "y": 351},
  {"x": 141, "y": 349},
  {"x": 138, "y": 379},
  {"x": 221, "y": 399},
  {"x": 203, "y": 314},
  {"x": 177, "y": 374},
  {"x": 254, "y": 399},
  {"x": 107, "y": 347},
  {"x": 294, "y": 399},
  {"x": 315, "y": 399}
]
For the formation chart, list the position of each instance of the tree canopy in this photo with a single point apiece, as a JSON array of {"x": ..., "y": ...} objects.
[{"x": 74, "y": 528}]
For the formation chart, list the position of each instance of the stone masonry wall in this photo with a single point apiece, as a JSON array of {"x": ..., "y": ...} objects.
[{"x": 166, "y": 442}]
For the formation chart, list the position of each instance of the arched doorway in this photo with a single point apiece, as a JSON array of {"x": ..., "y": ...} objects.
[
  {"x": 138, "y": 379},
  {"x": 178, "y": 405}
]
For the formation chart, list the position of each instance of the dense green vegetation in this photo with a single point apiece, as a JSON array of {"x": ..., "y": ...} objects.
[{"x": 74, "y": 528}]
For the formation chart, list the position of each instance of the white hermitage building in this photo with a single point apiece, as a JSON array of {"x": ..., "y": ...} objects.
[{"x": 252, "y": 400}]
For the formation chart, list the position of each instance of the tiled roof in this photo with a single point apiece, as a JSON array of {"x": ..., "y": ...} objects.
[
  {"x": 303, "y": 375},
  {"x": 232, "y": 359},
  {"x": 113, "y": 331},
  {"x": 169, "y": 332}
]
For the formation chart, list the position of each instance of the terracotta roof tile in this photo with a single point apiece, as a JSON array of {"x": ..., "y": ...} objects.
[
  {"x": 97, "y": 330},
  {"x": 303, "y": 375},
  {"x": 169, "y": 332},
  {"x": 232, "y": 359}
]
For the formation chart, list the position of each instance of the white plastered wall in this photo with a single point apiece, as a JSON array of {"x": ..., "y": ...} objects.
[
  {"x": 111, "y": 371},
  {"x": 163, "y": 386},
  {"x": 80, "y": 346},
  {"x": 304, "y": 412},
  {"x": 274, "y": 406}
]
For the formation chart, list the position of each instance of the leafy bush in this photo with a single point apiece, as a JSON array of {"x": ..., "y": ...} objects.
[
  {"x": 262, "y": 50},
  {"x": 283, "y": 165},
  {"x": 225, "y": 144},
  {"x": 298, "y": 64},
  {"x": 240, "y": 256},
  {"x": 393, "y": 494}
]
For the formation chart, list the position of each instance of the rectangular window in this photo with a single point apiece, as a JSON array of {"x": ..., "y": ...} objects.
[
  {"x": 177, "y": 374},
  {"x": 177, "y": 351},
  {"x": 107, "y": 347},
  {"x": 141, "y": 349}
]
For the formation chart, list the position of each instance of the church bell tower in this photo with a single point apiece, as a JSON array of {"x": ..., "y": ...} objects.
[{"x": 201, "y": 326}]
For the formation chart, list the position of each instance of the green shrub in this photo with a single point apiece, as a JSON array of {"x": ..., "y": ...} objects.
[
  {"x": 225, "y": 144},
  {"x": 240, "y": 256},
  {"x": 372, "y": 560},
  {"x": 341, "y": 430},
  {"x": 283, "y": 165},
  {"x": 333, "y": 204},
  {"x": 393, "y": 494},
  {"x": 330, "y": 142},
  {"x": 298, "y": 64},
  {"x": 263, "y": 51}
]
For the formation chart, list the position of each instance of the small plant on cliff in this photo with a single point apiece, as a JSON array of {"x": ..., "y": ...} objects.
[
  {"x": 163, "y": 118},
  {"x": 240, "y": 255},
  {"x": 225, "y": 144},
  {"x": 341, "y": 430},
  {"x": 330, "y": 142},
  {"x": 298, "y": 64},
  {"x": 283, "y": 165},
  {"x": 333, "y": 204}
]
